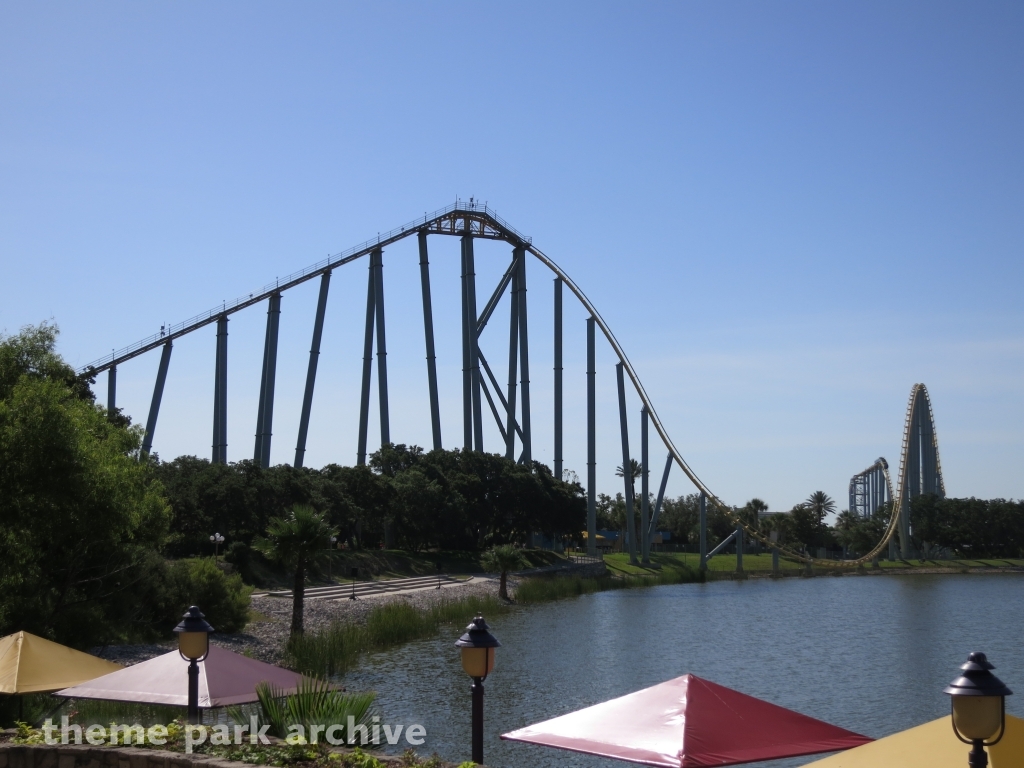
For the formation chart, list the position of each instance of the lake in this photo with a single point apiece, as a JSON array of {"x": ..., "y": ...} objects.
[{"x": 871, "y": 654}]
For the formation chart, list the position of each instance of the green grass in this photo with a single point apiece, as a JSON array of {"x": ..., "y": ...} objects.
[{"x": 622, "y": 576}]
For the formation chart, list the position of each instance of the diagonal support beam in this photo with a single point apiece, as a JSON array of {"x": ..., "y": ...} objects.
[
  {"x": 501, "y": 397},
  {"x": 314, "y": 357},
  {"x": 661, "y": 495},
  {"x": 722, "y": 545},
  {"x": 494, "y": 410},
  {"x": 158, "y": 393},
  {"x": 492, "y": 303}
]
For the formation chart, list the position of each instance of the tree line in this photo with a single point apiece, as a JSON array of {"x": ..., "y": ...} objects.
[{"x": 98, "y": 541}]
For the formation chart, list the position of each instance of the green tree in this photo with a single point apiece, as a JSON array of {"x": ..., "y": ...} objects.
[
  {"x": 82, "y": 513},
  {"x": 501, "y": 560},
  {"x": 820, "y": 504},
  {"x": 297, "y": 540}
]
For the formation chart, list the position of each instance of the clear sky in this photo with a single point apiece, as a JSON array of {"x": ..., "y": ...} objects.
[{"x": 788, "y": 212}]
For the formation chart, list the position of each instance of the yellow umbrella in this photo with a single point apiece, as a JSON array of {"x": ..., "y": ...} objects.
[
  {"x": 932, "y": 745},
  {"x": 30, "y": 664}
]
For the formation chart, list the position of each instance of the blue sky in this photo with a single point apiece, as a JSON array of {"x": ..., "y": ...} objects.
[{"x": 789, "y": 213}]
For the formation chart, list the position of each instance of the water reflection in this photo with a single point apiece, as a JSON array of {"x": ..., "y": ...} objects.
[{"x": 870, "y": 654}]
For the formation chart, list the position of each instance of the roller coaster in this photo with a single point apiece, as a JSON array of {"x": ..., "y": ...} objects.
[{"x": 919, "y": 464}]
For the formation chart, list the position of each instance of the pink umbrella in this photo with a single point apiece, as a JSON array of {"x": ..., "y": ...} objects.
[
  {"x": 225, "y": 678},
  {"x": 688, "y": 722}
]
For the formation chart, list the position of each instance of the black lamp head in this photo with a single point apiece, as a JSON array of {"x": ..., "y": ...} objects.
[
  {"x": 194, "y": 621},
  {"x": 477, "y": 636},
  {"x": 977, "y": 679}
]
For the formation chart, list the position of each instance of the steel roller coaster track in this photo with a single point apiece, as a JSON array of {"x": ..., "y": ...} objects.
[{"x": 479, "y": 221}]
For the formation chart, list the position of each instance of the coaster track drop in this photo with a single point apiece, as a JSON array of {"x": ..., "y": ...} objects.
[{"x": 919, "y": 465}]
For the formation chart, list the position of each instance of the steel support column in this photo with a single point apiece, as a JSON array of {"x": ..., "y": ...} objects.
[
  {"x": 513, "y": 357},
  {"x": 591, "y": 442},
  {"x": 265, "y": 414},
  {"x": 474, "y": 357},
  {"x": 739, "y": 549},
  {"x": 627, "y": 471},
  {"x": 382, "y": 346},
  {"x": 314, "y": 358},
  {"x": 428, "y": 334},
  {"x": 703, "y": 531},
  {"x": 364, "y": 395},
  {"x": 111, "y": 391},
  {"x": 158, "y": 393},
  {"x": 661, "y": 495},
  {"x": 645, "y": 491},
  {"x": 524, "y": 362},
  {"x": 558, "y": 378},
  {"x": 467, "y": 366},
  {"x": 220, "y": 394}
]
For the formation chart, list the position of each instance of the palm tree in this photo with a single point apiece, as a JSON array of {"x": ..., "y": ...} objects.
[
  {"x": 297, "y": 540},
  {"x": 635, "y": 470},
  {"x": 821, "y": 504},
  {"x": 502, "y": 559}
]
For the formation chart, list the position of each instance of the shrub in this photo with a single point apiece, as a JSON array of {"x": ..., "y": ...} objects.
[{"x": 223, "y": 598}]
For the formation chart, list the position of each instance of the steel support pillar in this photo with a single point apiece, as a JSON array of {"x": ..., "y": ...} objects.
[
  {"x": 111, "y": 391},
  {"x": 661, "y": 495},
  {"x": 591, "y": 442},
  {"x": 524, "y": 362},
  {"x": 314, "y": 358},
  {"x": 474, "y": 355},
  {"x": 739, "y": 549},
  {"x": 627, "y": 470},
  {"x": 382, "y": 347},
  {"x": 364, "y": 395},
  {"x": 158, "y": 393},
  {"x": 220, "y": 394},
  {"x": 703, "y": 531},
  {"x": 428, "y": 334},
  {"x": 467, "y": 364},
  {"x": 265, "y": 414},
  {"x": 645, "y": 491},
  {"x": 558, "y": 378},
  {"x": 513, "y": 357}
]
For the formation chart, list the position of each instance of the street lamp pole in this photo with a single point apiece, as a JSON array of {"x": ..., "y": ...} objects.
[
  {"x": 978, "y": 701},
  {"x": 216, "y": 540},
  {"x": 330, "y": 560},
  {"x": 194, "y": 646},
  {"x": 478, "y": 646}
]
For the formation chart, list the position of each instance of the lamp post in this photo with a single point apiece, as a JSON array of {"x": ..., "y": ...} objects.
[
  {"x": 478, "y": 646},
  {"x": 194, "y": 646},
  {"x": 216, "y": 540},
  {"x": 330, "y": 559},
  {"x": 978, "y": 701}
]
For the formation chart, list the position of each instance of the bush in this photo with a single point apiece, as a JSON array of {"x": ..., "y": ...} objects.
[{"x": 223, "y": 598}]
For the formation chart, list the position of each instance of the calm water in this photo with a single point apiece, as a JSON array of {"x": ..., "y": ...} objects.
[{"x": 869, "y": 654}]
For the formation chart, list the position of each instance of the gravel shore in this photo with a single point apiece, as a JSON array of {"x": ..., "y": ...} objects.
[{"x": 265, "y": 636}]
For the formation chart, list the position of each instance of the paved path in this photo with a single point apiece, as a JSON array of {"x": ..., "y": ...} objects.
[{"x": 363, "y": 589}]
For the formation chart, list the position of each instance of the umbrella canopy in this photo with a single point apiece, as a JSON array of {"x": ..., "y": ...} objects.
[
  {"x": 225, "y": 678},
  {"x": 932, "y": 745},
  {"x": 688, "y": 722},
  {"x": 30, "y": 664}
]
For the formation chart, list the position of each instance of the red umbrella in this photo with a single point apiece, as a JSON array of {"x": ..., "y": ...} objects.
[
  {"x": 689, "y": 722},
  {"x": 225, "y": 678}
]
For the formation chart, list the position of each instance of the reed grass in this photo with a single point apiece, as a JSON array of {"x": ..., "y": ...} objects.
[
  {"x": 540, "y": 590},
  {"x": 331, "y": 651}
]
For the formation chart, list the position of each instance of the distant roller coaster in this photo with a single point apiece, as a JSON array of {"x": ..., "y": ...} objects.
[
  {"x": 512, "y": 411},
  {"x": 920, "y": 472}
]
